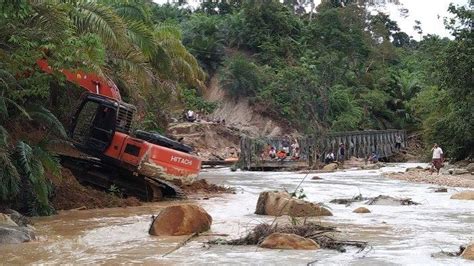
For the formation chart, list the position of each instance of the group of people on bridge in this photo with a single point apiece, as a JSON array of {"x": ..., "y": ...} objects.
[{"x": 341, "y": 152}]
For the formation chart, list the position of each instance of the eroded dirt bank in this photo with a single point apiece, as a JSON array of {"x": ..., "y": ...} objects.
[{"x": 424, "y": 175}]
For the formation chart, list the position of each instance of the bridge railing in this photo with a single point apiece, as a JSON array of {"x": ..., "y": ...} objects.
[{"x": 254, "y": 151}]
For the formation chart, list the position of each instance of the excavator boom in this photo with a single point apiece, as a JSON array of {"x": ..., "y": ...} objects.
[{"x": 89, "y": 81}]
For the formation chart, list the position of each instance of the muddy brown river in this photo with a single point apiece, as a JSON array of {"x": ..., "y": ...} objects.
[{"x": 398, "y": 235}]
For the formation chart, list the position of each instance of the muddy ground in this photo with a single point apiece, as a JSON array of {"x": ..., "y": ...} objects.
[{"x": 70, "y": 194}]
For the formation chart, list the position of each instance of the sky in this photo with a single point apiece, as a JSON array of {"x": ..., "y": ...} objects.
[{"x": 429, "y": 12}]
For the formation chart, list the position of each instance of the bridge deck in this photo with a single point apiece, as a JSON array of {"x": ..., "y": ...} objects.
[{"x": 357, "y": 143}]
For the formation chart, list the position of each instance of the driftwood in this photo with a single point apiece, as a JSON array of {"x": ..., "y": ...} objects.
[
  {"x": 181, "y": 244},
  {"x": 312, "y": 231},
  {"x": 349, "y": 201},
  {"x": 379, "y": 200},
  {"x": 387, "y": 200}
]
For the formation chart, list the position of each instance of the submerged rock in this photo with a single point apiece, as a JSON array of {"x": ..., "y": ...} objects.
[
  {"x": 464, "y": 195},
  {"x": 387, "y": 200},
  {"x": 370, "y": 167},
  {"x": 281, "y": 203},
  {"x": 468, "y": 252},
  {"x": 460, "y": 171},
  {"x": 316, "y": 178},
  {"x": 441, "y": 190},
  {"x": 179, "y": 220},
  {"x": 470, "y": 167},
  {"x": 362, "y": 210},
  {"x": 330, "y": 167},
  {"x": 288, "y": 241}
]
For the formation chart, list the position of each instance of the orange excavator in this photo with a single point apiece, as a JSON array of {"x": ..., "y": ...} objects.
[{"x": 146, "y": 165}]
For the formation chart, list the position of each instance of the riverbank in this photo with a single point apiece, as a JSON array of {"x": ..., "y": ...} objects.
[{"x": 424, "y": 176}]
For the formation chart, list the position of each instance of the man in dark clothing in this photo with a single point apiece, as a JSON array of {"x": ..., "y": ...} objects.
[{"x": 341, "y": 152}]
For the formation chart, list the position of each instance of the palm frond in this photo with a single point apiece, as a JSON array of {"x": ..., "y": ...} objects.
[
  {"x": 45, "y": 116},
  {"x": 102, "y": 20},
  {"x": 48, "y": 160},
  {"x": 132, "y": 11},
  {"x": 9, "y": 177},
  {"x": 3, "y": 137}
]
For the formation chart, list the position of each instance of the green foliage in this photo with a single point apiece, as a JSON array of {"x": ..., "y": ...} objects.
[
  {"x": 299, "y": 194},
  {"x": 9, "y": 177},
  {"x": 203, "y": 38},
  {"x": 114, "y": 190},
  {"x": 29, "y": 163},
  {"x": 193, "y": 101},
  {"x": 240, "y": 76}
]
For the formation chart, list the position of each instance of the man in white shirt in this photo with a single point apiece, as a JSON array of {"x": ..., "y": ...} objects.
[{"x": 437, "y": 158}]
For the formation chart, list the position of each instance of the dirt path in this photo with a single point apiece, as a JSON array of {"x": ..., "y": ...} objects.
[{"x": 422, "y": 176}]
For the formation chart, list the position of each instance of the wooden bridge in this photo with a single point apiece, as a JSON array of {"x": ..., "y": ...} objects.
[{"x": 254, "y": 151}]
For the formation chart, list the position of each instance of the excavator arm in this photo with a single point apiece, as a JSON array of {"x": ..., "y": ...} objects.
[{"x": 89, "y": 81}]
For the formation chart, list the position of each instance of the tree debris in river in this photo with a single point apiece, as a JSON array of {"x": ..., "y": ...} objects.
[
  {"x": 320, "y": 234},
  {"x": 387, "y": 200},
  {"x": 349, "y": 201},
  {"x": 379, "y": 200}
]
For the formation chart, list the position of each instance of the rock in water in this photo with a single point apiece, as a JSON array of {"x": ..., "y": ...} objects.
[
  {"x": 460, "y": 171},
  {"x": 281, "y": 203},
  {"x": 179, "y": 220},
  {"x": 468, "y": 252},
  {"x": 330, "y": 167},
  {"x": 464, "y": 195},
  {"x": 15, "y": 234},
  {"x": 288, "y": 241},
  {"x": 362, "y": 210},
  {"x": 6, "y": 220},
  {"x": 470, "y": 167}
]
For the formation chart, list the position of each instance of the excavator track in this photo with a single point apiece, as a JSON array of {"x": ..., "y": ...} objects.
[{"x": 93, "y": 172}]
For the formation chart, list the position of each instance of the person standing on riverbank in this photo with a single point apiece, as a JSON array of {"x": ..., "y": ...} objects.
[
  {"x": 398, "y": 142},
  {"x": 437, "y": 158}
]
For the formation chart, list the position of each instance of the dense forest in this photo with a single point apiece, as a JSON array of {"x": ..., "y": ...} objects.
[{"x": 336, "y": 68}]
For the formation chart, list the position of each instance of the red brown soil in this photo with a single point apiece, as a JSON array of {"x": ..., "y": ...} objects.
[
  {"x": 70, "y": 194},
  {"x": 201, "y": 186}
]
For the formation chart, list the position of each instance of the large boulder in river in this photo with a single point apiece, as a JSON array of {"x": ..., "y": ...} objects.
[
  {"x": 276, "y": 203},
  {"x": 15, "y": 234},
  {"x": 468, "y": 252},
  {"x": 464, "y": 195},
  {"x": 330, "y": 167},
  {"x": 179, "y": 220},
  {"x": 288, "y": 241}
]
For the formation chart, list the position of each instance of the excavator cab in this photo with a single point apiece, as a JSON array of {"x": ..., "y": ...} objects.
[{"x": 96, "y": 120}]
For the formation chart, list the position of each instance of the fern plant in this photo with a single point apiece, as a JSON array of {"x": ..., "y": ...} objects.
[
  {"x": 30, "y": 166},
  {"x": 9, "y": 177}
]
